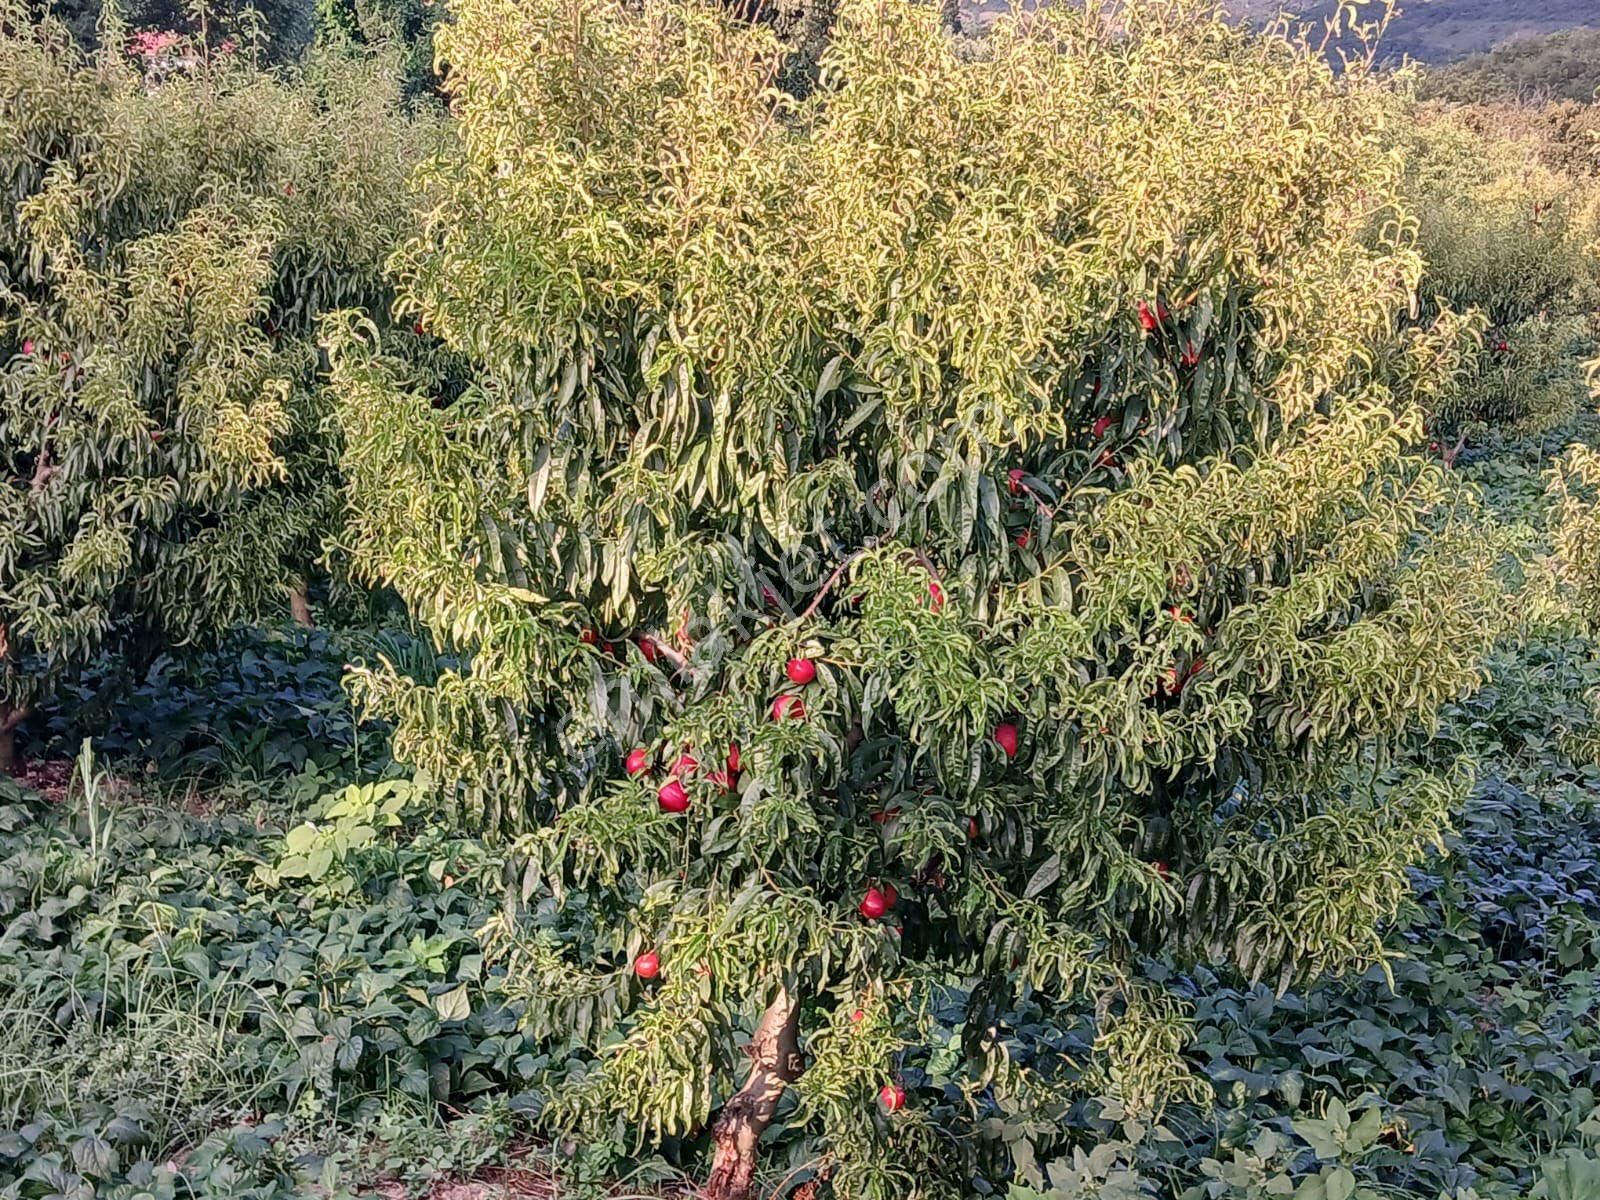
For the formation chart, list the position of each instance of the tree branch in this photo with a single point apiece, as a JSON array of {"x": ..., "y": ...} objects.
[{"x": 775, "y": 1063}]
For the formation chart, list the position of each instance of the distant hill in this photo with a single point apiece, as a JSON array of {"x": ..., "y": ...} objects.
[
  {"x": 1431, "y": 31},
  {"x": 1441, "y": 31},
  {"x": 1558, "y": 66}
]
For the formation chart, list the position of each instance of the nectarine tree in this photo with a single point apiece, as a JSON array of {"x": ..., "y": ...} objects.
[
  {"x": 950, "y": 527},
  {"x": 165, "y": 250},
  {"x": 1506, "y": 238}
]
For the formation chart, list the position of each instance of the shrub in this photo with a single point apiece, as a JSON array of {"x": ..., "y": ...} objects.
[
  {"x": 165, "y": 251},
  {"x": 1507, "y": 235},
  {"x": 945, "y": 526},
  {"x": 1557, "y": 66}
]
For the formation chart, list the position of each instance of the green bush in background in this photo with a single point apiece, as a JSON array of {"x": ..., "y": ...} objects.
[
  {"x": 1508, "y": 212},
  {"x": 174, "y": 222}
]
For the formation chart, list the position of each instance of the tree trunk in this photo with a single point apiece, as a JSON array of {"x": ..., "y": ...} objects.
[
  {"x": 775, "y": 1063},
  {"x": 10, "y": 718},
  {"x": 300, "y": 606}
]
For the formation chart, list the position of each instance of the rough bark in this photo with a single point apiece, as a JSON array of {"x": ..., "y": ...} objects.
[
  {"x": 775, "y": 1063},
  {"x": 300, "y": 607},
  {"x": 10, "y": 718}
]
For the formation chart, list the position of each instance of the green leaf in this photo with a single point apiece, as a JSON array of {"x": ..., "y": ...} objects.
[{"x": 453, "y": 1005}]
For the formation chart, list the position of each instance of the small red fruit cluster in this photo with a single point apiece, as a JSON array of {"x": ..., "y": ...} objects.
[
  {"x": 672, "y": 796},
  {"x": 647, "y": 965},
  {"x": 788, "y": 706},
  {"x": 892, "y": 1096},
  {"x": 1005, "y": 736},
  {"x": 1150, "y": 318},
  {"x": 877, "y": 901}
]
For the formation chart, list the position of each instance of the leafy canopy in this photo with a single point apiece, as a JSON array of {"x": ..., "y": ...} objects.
[
  {"x": 1052, "y": 387},
  {"x": 164, "y": 252}
]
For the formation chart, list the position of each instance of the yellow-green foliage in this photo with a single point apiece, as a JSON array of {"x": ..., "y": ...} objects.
[
  {"x": 1506, "y": 222},
  {"x": 1575, "y": 522},
  {"x": 165, "y": 249},
  {"x": 1054, "y": 385}
]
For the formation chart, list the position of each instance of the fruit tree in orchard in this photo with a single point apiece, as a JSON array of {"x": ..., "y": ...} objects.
[
  {"x": 164, "y": 253},
  {"x": 945, "y": 529}
]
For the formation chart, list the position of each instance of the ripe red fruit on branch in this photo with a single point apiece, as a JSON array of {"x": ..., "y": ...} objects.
[
  {"x": 801, "y": 671},
  {"x": 858, "y": 1016},
  {"x": 647, "y": 647},
  {"x": 589, "y": 637},
  {"x": 1147, "y": 319},
  {"x": 892, "y": 1096},
  {"x": 1162, "y": 870},
  {"x": 788, "y": 706},
  {"x": 972, "y": 829},
  {"x": 890, "y": 896},
  {"x": 935, "y": 595},
  {"x": 1005, "y": 736},
  {"x": 637, "y": 762},
  {"x": 1191, "y": 354},
  {"x": 647, "y": 965},
  {"x": 733, "y": 758},
  {"x": 27, "y": 347},
  {"x": 672, "y": 798},
  {"x": 1102, "y": 426},
  {"x": 687, "y": 764},
  {"x": 1014, "y": 480},
  {"x": 873, "y": 905},
  {"x": 416, "y": 328},
  {"x": 1022, "y": 539}
]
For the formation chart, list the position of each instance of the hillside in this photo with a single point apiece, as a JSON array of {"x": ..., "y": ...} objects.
[
  {"x": 1557, "y": 66},
  {"x": 1431, "y": 31},
  {"x": 1437, "y": 31}
]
